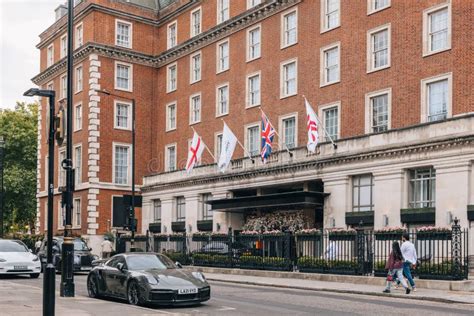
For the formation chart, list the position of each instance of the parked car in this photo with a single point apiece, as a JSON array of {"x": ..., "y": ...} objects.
[
  {"x": 16, "y": 258},
  {"x": 147, "y": 278},
  {"x": 82, "y": 254},
  {"x": 222, "y": 248}
]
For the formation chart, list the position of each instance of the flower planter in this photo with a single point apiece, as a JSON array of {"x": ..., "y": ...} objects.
[
  {"x": 220, "y": 238},
  {"x": 177, "y": 238},
  {"x": 161, "y": 239},
  {"x": 200, "y": 238},
  {"x": 249, "y": 238},
  {"x": 314, "y": 237},
  {"x": 345, "y": 237},
  {"x": 434, "y": 235},
  {"x": 273, "y": 237},
  {"x": 388, "y": 236}
]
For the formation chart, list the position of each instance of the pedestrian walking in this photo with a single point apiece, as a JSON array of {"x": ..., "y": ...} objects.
[
  {"x": 409, "y": 259},
  {"x": 331, "y": 250},
  {"x": 107, "y": 248},
  {"x": 394, "y": 266}
]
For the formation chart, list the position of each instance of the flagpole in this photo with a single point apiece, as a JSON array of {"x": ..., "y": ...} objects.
[
  {"x": 276, "y": 132},
  {"x": 321, "y": 124},
  {"x": 240, "y": 144},
  {"x": 208, "y": 150}
]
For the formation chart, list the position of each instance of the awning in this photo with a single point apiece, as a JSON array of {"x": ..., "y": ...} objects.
[{"x": 285, "y": 201}]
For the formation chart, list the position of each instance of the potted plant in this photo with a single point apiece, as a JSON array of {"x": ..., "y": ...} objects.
[
  {"x": 434, "y": 233},
  {"x": 389, "y": 233},
  {"x": 342, "y": 234}
]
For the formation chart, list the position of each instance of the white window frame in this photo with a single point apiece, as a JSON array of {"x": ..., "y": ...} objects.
[
  {"x": 370, "y": 54},
  {"x": 283, "y": 92},
  {"x": 129, "y": 115},
  {"x": 248, "y": 104},
  {"x": 283, "y": 38},
  {"x": 169, "y": 44},
  {"x": 323, "y": 19},
  {"x": 371, "y": 7},
  {"x": 250, "y": 3},
  {"x": 168, "y": 122},
  {"x": 78, "y": 123},
  {"x": 78, "y": 88},
  {"x": 216, "y": 147},
  {"x": 324, "y": 107},
  {"x": 322, "y": 67},
  {"x": 61, "y": 171},
  {"x": 129, "y": 170},
  {"x": 218, "y": 108},
  {"x": 50, "y": 55},
  {"x": 192, "y": 79},
  {"x": 130, "y": 79},
  {"x": 191, "y": 99},
  {"x": 218, "y": 54},
  {"x": 63, "y": 87},
  {"x": 44, "y": 214},
  {"x": 369, "y": 110},
  {"x": 77, "y": 180},
  {"x": 46, "y": 173},
  {"x": 167, "y": 162},
  {"x": 426, "y": 28},
  {"x": 74, "y": 213},
  {"x": 61, "y": 217},
  {"x": 424, "y": 95},
  {"x": 281, "y": 128},
  {"x": 246, "y": 129},
  {"x": 357, "y": 187},
  {"x": 250, "y": 30},
  {"x": 192, "y": 30},
  {"x": 63, "y": 46},
  {"x": 221, "y": 19},
  {"x": 130, "y": 33},
  {"x": 170, "y": 89},
  {"x": 79, "y": 40}
]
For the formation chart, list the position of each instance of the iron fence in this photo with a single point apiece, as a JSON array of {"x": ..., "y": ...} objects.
[{"x": 441, "y": 254}]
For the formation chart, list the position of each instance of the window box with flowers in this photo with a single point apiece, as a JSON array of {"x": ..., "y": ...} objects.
[
  {"x": 342, "y": 234},
  {"x": 389, "y": 233},
  {"x": 160, "y": 237},
  {"x": 219, "y": 237},
  {"x": 273, "y": 235},
  {"x": 311, "y": 234},
  {"x": 249, "y": 235},
  {"x": 177, "y": 237},
  {"x": 434, "y": 233},
  {"x": 201, "y": 236}
]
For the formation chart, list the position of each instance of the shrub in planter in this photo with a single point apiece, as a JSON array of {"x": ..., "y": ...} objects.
[
  {"x": 309, "y": 234},
  {"x": 342, "y": 234},
  {"x": 160, "y": 237},
  {"x": 201, "y": 236},
  {"x": 219, "y": 237},
  {"x": 346, "y": 265},
  {"x": 379, "y": 268},
  {"x": 179, "y": 257},
  {"x": 434, "y": 233},
  {"x": 253, "y": 262},
  {"x": 276, "y": 262},
  {"x": 311, "y": 264},
  {"x": 177, "y": 237},
  {"x": 389, "y": 233},
  {"x": 213, "y": 260}
]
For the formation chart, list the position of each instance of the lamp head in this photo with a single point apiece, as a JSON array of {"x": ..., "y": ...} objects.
[{"x": 37, "y": 92}]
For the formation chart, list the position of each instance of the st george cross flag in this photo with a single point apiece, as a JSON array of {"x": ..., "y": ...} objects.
[
  {"x": 267, "y": 134},
  {"x": 312, "y": 127},
  {"x": 229, "y": 141},
  {"x": 195, "y": 152}
]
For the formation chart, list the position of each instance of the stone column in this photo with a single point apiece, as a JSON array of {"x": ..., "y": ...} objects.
[
  {"x": 167, "y": 216},
  {"x": 192, "y": 212},
  {"x": 147, "y": 214},
  {"x": 388, "y": 196},
  {"x": 338, "y": 202}
]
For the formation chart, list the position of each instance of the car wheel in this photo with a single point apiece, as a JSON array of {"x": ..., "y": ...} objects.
[
  {"x": 34, "y": 275},
  {"x": 134, "y": 295},
  {"x": 93, "y": 286}
]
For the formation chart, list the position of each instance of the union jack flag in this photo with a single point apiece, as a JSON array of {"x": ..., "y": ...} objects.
[{"x": 268, "y": 132}]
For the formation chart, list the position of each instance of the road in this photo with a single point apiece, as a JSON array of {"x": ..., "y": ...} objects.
[{"x": 233, "y": 299}]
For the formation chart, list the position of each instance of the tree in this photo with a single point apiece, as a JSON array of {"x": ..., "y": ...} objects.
[{"x": 19, "y": 128}]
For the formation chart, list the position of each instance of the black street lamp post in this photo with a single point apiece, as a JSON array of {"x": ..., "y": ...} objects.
[
  {"x": 49, "y": 272},
  {"x": 2, "y": 192},
  {"x": 132, "y": 224},
  {"x": 67, "y": 258}
]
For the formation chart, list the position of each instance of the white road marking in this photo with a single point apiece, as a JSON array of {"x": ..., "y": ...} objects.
[{"x": 226, "y": 308}]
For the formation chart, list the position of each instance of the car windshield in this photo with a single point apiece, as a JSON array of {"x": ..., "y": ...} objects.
[
  {"x": 80, "y": 245},
  {"x": 148, "y": 262},
  {"x": 12, "y": 246}
]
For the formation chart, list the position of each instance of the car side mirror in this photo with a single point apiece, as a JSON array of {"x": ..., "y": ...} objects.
[
  {"x": 179, "y": 265},
  {"x": 120, "y": 267}
]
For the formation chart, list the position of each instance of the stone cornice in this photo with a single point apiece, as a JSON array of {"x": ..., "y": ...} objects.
[
  {"x": 225, "y": 29},
  {"x": 90, "y": 48},
  {"x": 291, "y": 168}
]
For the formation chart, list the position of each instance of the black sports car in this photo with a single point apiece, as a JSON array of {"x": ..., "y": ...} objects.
[{"x": 147, "y": 278}]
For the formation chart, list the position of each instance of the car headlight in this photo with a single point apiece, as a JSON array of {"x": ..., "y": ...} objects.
[
  {"x": 199, "y": 276},
  {"x": 77, "y": 259},
  {"x": 35, "y": 258},
  {"x": 151, "y": 279},
  {"x": 95, "y": 257}
]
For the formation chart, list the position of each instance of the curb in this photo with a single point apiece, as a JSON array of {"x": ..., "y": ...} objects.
[{"x": 411, "y": 297}]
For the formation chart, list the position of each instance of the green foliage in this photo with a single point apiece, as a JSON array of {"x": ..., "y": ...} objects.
[
  {"x": 249, "y": 261},
  {"x": 28, "y": 240},
  {"x": 312, "y": 262},
  {"x": 380, "y": 265},
  {"x": 19, "y": 128},
  {"x": 178, "y": 257},
  {"x": 211, "y": 259},
  {"x": 444, "y": 268}
]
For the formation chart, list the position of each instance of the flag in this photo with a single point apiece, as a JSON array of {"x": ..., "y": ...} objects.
[
  {"x": 267, "y": 134},
  {"x": 312, "y": 128},
  {"x": 195, "y": 152},
  {"x": 229, "y": 141}
]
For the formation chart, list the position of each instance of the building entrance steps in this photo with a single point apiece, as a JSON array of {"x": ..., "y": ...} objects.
[{"x": 430, "y": 290}]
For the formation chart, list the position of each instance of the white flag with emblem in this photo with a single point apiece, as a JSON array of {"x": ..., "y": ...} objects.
[
  {"x": 229, "y": 141},
  {"x": 312, "y": 127}
]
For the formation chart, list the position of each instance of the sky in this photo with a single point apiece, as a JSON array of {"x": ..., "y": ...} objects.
[{"x": 21, "y": 22}]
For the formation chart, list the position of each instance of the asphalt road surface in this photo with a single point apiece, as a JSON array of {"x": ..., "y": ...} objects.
[{"x": 233, "y": 299}]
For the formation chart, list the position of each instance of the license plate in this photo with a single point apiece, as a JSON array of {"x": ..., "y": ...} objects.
[
  {"x": 20, "y": 268},
  {"x": 187, "y": 291}
]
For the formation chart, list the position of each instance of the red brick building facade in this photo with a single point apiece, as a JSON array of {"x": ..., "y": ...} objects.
[{"x": 368, "y": 67}]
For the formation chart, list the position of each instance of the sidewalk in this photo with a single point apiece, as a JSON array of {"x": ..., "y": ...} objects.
[{"x": 444, "y": 296}]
